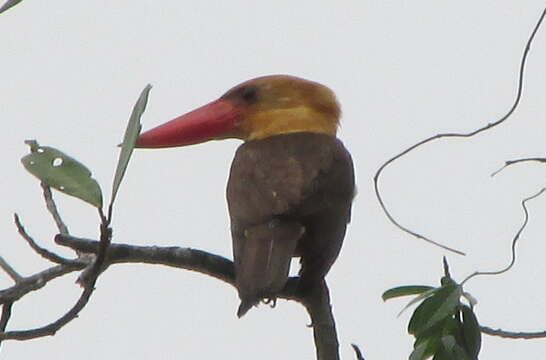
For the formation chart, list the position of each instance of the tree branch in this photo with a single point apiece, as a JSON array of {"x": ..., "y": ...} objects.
[
  {"x": 12, "y": 273},
  {"x": 35, "y": 282},
  {"x": 6, "y": 314},
  {"x": 516, "y": 161},
  {"x": 46, "y": 254},
  {"x": 316, "y": 301},
  {"x": 52, "y": 328},
  {"x": 25, "y": 285},
  {"x": 8, "y": 4},
  {"x": 184, "y": 258},
  {"x": 52, "y": 208},
  {"x": 511, "y": 334},
  {"x": 357, "y": 351},
  {"x": 514, "y": 240},
  {"x": 456, "y": 135}
]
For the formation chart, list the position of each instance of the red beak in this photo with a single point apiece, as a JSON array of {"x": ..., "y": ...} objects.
[{"x": 216, "y": 120}]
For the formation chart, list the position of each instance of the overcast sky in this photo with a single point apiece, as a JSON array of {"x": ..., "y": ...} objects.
[{"x": 403, "y": 70}]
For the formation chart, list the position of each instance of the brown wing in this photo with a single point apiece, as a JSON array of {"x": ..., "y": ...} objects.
[{"x": 288, "y": 195}]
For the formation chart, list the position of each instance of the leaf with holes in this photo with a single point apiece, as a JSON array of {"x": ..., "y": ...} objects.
[
  {"x": 62, "y": 172},
  {"x": 129, "y": 139}
]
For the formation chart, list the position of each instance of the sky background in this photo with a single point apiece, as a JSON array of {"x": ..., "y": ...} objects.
[{"x": 403, "y": 70}]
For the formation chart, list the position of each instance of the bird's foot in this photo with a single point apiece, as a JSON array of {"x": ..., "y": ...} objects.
[{"x": 271, "y": 301}]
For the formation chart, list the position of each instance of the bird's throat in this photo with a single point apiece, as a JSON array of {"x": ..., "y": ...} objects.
[{"x": 273, "y": 122}]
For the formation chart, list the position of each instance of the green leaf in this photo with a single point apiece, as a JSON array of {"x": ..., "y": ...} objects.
[
  {"x": 421, "y": 297},
  {"x": 431, "y": 343},
  {"x": 62, "y": 172},
  {"x": 420, "y": 351},
  {"x": 434, "y": 334},
  {"x": 129, "y": 139},
  {"x": 9, "y": 4},
  {"x": 471, "y": 332},
  {"x": 448, "y": 349},
  {"x": 436, "y": 308},
  {"x": 405, "y": 291}
]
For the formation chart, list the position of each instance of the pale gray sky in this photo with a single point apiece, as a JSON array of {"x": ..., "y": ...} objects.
[{"x": 403, "y": 70}]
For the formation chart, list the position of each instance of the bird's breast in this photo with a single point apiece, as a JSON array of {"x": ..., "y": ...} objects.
[{"x": 288, "y": 175}]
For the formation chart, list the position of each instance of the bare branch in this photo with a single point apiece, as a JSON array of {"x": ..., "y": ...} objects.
[
  {"x": 53, "y": 327},
  {"x": 36, "y": 282},
  {"x": 317, "y": 302},
  {"x": 9, "y": 4},
  {"x": 512, "y": 334},
  {"x": 52, "y": 207},
  {"x": 514, "y": 240},
  {"x": 456, "y": 135},
  {"x": 512, "y": 162},
  {"x": 89, "y": 286},
  {"x": 14, "y": 275},
  {"x": 196, "y": 260},
  {"x": 51, "y": 256},
  {"x": 446, "y": 268},
  {"x": 185, "y": 258},
  {"x": 6, "y": 314},
  {"x": 358, "y": 353}
]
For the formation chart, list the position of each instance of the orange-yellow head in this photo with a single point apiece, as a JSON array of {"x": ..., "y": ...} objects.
[{"x": 256, "y": 109}]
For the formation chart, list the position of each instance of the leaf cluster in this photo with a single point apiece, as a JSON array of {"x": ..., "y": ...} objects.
[{"x": 444, "y": 327}]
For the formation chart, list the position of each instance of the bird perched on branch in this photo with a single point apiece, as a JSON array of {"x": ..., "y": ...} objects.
[{"x": 291, "y": 183}]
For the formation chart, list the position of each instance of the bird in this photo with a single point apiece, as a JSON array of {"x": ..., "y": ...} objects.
[{"x": 291, "y": 183}]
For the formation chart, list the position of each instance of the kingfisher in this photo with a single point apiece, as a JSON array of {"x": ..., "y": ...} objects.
[{"x": 291, "y": 183}]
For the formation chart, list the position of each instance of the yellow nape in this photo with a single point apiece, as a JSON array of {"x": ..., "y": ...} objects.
[
  {"x": 282, "y": 104},
  {"x": 270, "y": 122}
]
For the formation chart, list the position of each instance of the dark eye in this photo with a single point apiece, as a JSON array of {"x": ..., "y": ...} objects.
[{"x": 249, "y": 94}]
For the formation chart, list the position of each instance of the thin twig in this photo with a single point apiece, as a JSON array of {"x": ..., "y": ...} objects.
[
  {"x": 8, "y": 4},
  {"x": 174, "y": 256},
  {"x": 456, "y": 135},
  {"x": 6, "y": 314},
  {"x": 446, "y": 268},
  {"x": 512, "y": 162},
  {"x": 514, "y": 240},
  {"x": 53, "y": 327},
  {"x": 12, "y": 273},
  {"x": 110, "y": 211},
  {"x": 51, "y": 256},
  {"x": 52, "y": 207},
  {"x": 512, "y": 334},
  {"x": 358, "y": 353},
  {"x": 36, "y": 282},
  {"x": 89, "y": 287}
]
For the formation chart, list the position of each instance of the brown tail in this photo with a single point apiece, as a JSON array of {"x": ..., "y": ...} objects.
[{"x": 262, "y": 260}]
